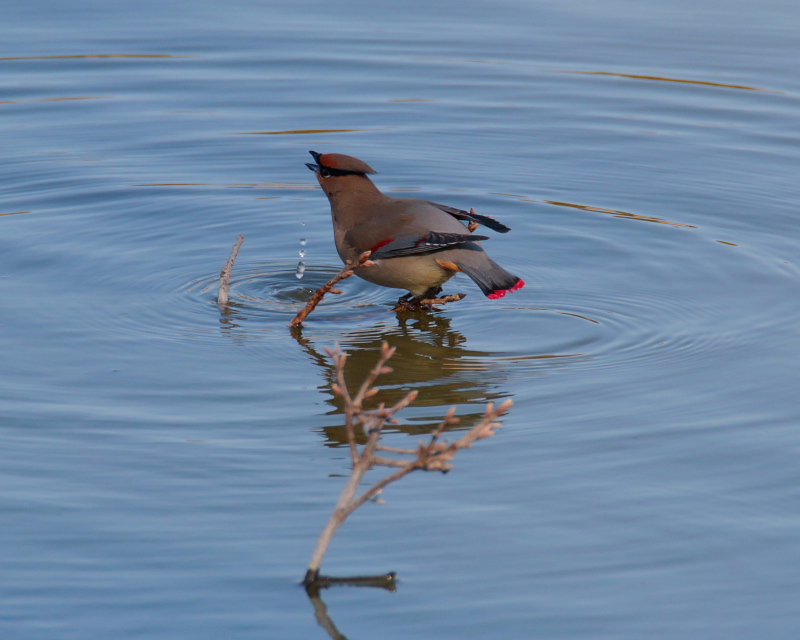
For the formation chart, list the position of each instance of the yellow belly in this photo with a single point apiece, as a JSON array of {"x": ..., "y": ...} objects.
[{"x": 416, "y": 274}]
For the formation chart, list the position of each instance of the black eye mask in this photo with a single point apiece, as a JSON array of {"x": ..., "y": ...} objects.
[{"x": 329, "y": 172}]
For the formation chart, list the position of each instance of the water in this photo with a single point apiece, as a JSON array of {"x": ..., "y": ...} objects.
[{"x": 167, "y": 466}]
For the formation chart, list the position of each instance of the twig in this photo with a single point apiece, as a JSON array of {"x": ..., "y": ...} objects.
[
  {"x": 453, "y": 297},
  {"x": 416, "y": 305},
  {"x": 353, "y": 406},
  {"x": 472, "y": 225},
  {"x": 373, "y": 423},
  {"x": 349, "y": 268},
  {"x": 431, "y": 456},
  {"x": 380, "y": 447},
  {"x": 225, "y": 274}
]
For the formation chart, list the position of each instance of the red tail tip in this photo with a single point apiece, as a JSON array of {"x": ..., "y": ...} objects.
[{"x": 494, "y": 295}]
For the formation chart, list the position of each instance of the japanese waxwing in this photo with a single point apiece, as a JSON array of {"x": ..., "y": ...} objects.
[{"x": 416, "y": 244}]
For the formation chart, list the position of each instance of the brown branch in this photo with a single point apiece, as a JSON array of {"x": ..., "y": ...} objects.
[
  {"x": 436, "y": 456},
  {"x": 433, "y": 456},
  {"x": 225, "y": 274},
  {"x": 340, "y": 389},
  {"x": 388, "y": 462},
  {"x": 378, "y": 487},
  {"x": 349, "y": 268},
  {"x": 472, "y": 225},
  {"x": 411, "y": 452},
  {"x": 418, "y": 304},
  {"x": 379, "y": 369},
  {"x": 453, "y": 297}
]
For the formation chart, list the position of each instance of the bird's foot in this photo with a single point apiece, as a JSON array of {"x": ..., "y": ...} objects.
[{"x": 407, "y": 302}]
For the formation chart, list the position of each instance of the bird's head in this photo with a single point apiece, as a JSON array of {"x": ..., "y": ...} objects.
[{"x": 336, "y": 171}]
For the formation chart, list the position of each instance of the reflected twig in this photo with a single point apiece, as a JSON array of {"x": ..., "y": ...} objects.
[{"x": 431, "y": 456}]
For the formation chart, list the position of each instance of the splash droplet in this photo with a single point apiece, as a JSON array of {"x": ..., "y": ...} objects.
[
  {"x": 301, "y": 269},
  {"x": 303, "y": 241},
  {"x": 302, "y": 253}
]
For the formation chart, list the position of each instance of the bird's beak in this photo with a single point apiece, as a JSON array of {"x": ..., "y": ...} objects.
[{"x": 316, "y": 168}]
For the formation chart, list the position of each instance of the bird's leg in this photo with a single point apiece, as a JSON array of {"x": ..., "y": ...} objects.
[
  {"x": 410, "y": 302},
  {"x": 406, "y": 303},
  {"x": 430, "y": 294}
]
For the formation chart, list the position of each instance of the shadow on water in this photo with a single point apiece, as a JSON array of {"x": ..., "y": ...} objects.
[{"x": 432, "y": 358}]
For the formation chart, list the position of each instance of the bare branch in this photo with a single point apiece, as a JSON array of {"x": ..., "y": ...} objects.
[
  {"x": 453, "y": 297},
  {"x": 377, "y": 488},
  {"x": 388, "y": 462},
  {"x": 349, "y": 268},
  {"x": 366, "y": 386},
  {"x": 411, "y": 452},
  {"x": 431, "y": 456},
  {"x": 340, "y": 389},
  {"x": 225, "y": 274},
  {"x": 472, "y": 225},
  {"x": 417, "y": 304}
]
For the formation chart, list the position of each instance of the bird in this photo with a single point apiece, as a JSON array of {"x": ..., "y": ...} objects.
[{"x": 415, "y": 244}]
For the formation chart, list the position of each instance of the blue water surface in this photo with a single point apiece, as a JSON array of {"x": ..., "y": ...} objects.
[{"x": 168, "y": 465}]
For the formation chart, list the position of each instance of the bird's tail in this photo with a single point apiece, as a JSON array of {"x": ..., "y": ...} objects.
[{"x": 494, "y": 281}]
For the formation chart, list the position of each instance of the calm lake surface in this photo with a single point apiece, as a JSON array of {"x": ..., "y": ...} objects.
[{"x": 167, "y": 466}]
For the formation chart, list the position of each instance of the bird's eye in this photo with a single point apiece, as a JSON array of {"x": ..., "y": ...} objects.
[{"x": 325, "y": 173}]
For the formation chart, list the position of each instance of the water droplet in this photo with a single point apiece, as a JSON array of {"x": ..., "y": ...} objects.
[
  {"x": 301, "y": 269},
  {"x": 303, "y": 241},
  {"x": 303, "y": 223},
  {"x": 302, "y": 253}
]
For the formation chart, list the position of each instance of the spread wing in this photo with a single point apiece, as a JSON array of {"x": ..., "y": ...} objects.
[
  {"x": 473, "y": 217},
  {"x": 432, "y": 241}
]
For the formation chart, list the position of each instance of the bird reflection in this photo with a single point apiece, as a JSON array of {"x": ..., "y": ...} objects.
[{"x": 431, "y": 358}]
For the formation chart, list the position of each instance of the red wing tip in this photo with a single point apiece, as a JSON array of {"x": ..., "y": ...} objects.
[{"x": 494, "y": 295}]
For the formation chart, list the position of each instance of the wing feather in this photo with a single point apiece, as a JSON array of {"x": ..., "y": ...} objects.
[
  {"x": 432, "y": 241},
  {"x": 471, "y": 216}
]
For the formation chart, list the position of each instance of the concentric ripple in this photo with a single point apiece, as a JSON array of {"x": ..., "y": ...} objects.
[
  {"x": 272, "y": 290},
  {"x": 598, "y": 331}
]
